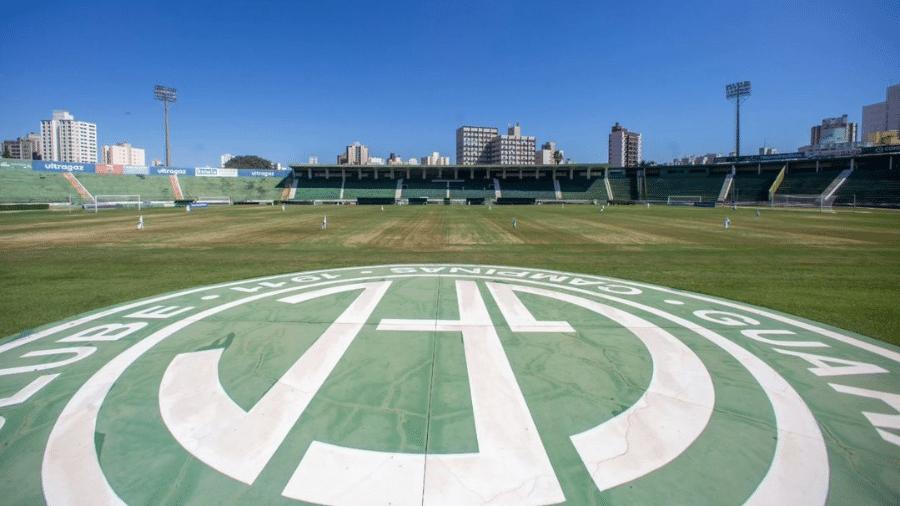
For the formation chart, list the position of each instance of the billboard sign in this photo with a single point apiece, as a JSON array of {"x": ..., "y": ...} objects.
[
  {"x": 172, "y": 171},
  {"x": 41, "y": 165},
  {"x": 136, "y": 170},
  {"x": 110, "y": 169}
]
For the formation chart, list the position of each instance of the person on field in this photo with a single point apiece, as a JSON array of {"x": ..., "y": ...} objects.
[
  {"x": 187, "y": 208},
  {"x": 282, "y": 207},
  {"x": 140, "y": 223},
  {"x": 727, "y": 223},
  {"x": 757, "y": 212},
  {"x": 515, "y": 224},
  {"x": 324, "y": 222}
]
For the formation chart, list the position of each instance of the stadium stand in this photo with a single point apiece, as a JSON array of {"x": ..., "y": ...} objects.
[
  {"x": 806, "y": 182},
  {"x": 148, "y": 187},
  {"x": 239, "y": 189},
  {"x": 373, "y": 188},
  {"x": 318, "y": 188},
  {"x": 870, "y": 188},
  {"x": 751, "y": 187},
  {"x": 581, "y": 188},
  {"x": 623, "y": 187},
  {"x": 24, "y": 185},
  {"x": 472, "y": 189},
  {"x": 424, "y": 188},
  {"x": 660, "y": 188},
  {"x": 529, "y": 187}
]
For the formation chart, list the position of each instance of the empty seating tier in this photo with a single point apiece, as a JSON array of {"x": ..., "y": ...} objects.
[
  {"x": 581, "y": 188},
  {"x": 237, "y": 188},
  {"x": 540, "y": 188},
  {"x": 19, "y": 185},
  {"x": 705, "y": 186},
  {"x": 318, "y": 188},
  {"x": 623, "y": 187},
  {"x": 806, "y": 183},
  {"x": 752, "y": 187},
  {"x": 148, "y": 187},
  {"x": 871, "y": 188},
  {"x": 424, "y": 188},
  {"x": 380, "y": 188}
]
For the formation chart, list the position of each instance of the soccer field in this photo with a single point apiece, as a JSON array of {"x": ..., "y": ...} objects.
[{"x": 840, "y": 268}]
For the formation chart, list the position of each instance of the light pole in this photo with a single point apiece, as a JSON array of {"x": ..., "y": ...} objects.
[
  {"x": 165, "y": 95},
  {"x": 737, "y": 92}
]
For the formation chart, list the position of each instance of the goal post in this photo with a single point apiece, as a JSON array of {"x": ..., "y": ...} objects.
[
  {"x": 683, "y": 200},
  {"x": 214, "y": 200},
  {"x": 798, "y": 200},
  {"x": 116, "y": 202}
]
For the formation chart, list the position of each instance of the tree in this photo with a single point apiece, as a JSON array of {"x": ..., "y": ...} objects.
[
  {"x": 248, "y": 162},
  {"x": 557, "y": 157}
]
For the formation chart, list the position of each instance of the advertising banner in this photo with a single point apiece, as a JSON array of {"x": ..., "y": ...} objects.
[
  {"x": 15, "y": 164},
  {"x": 171, "y": 171},
  {"x": 41, "y": 165},
  {"x": 137, "y": 170},
  {"x": 215, "y": 172},
  {"x": 263, "y": 173},
  {"x": 109, "y": 169}
]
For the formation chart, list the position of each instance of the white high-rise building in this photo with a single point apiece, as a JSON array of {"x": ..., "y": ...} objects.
[
  {"x": 513, "y": 148},
  {"x": 624, "y": 147},
  {"x": 24, "y": 148},
  {"x": 312, "y": 160},
  {"x": 473, "y": 144},
  {"x": 123, "y": 154},
  {"x": 485, "y": 146},
  {"x": 435, "y": 158},
  {"x": 355, "y": 154},
  {"x": 547, "y": 154},
  {"x": 882, "y": 116},
  {"x": 66, "y": 140}
]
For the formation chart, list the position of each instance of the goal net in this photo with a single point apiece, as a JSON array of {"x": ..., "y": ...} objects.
[
  {"x": 221, "y": 200},
  {"x": 115, "y": 202},
  {"x": 796, "y": 200},
  {"x": 683, "y": 200}
]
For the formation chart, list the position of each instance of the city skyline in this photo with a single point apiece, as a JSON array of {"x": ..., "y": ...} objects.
[{"x": 296, "y": 100}]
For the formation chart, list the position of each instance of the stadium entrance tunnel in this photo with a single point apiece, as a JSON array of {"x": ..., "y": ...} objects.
[{"x": 446, "y": 384}]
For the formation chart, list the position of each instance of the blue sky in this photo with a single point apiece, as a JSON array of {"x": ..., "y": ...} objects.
[{"x": 286, "y": 80}]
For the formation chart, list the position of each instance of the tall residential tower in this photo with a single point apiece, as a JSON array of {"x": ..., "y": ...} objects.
[
  {"x": 882, "y": 116},
  {"x": 66, "y": 140},
  {"x": 624, "y": 147}
]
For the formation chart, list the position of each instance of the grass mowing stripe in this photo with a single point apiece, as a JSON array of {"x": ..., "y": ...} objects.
[{"x": 841, "y": 268}]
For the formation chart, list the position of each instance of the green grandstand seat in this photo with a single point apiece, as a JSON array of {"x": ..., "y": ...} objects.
[
  {"x": 377, "y": 188},
  {"x": 318, "y": 188},
  {"x": 148, "y": 187},
  {"x": 237, "y": 188},
  {"x": 623, "y": 187},
  {"x": 20, "y": 185},
  {"x": 660, "y": 188},
  {"x": 752, "y": 187},
  {"x": 871, "y": 188},
  {"x": 581, "y": 188},
  {"x": 806, "y": 182},
  {"x": 424, "y": 188},
  {"x": 529, "y": 187}
]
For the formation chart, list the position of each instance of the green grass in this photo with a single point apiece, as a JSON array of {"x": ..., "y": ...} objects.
[{"x": 842, "y": 269}]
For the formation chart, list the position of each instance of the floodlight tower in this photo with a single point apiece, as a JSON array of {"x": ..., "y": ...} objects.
[
  {"x": 737, "y": 92},
  {"x": 165, "y": 95}
]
